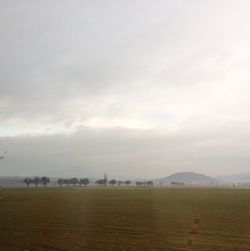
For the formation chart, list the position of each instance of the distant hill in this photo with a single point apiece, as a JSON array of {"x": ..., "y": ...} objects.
[
  {"x": 15, "y": 181},
  {"x": 237, "y": 178},
  {"x": 190, "y": 178}
]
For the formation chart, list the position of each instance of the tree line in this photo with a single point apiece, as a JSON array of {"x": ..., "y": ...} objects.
[
  {"x": 45, "y": 181},
  {"x": 73, "y": 181},
  {"x": 144, "y": 183},
  {"x": 83, "y": 182},
  {"x": 37, "y": 181},
  {"x": 113, "y": 182}
]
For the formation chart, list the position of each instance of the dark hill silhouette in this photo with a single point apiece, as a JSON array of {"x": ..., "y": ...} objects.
[{"x": 190, "y": 178}]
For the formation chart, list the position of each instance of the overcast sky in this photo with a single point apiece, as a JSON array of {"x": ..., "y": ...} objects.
[{"x": 132, "y": 88}]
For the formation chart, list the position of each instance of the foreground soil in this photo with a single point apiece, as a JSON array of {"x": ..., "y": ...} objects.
[{"x": 95, "y": 219}]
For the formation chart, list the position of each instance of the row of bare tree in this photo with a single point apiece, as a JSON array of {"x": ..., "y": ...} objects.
[
  {"x": 83, "y": 182},
  {"x": 144, "y": 183},
  {"x": 113, "y": 182},
  {"x": 37, "y": 181},
  {"x": 73, "y": 182}
]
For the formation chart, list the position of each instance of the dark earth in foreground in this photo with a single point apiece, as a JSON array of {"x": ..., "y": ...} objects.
[{"x": 131, "y": 219}]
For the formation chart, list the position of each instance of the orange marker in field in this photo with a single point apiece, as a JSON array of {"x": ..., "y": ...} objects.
[{"x": 194, "y": 228}]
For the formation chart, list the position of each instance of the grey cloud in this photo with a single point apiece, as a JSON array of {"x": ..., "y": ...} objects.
[
  {"x": 125, "y": 153},
  {"x": 52, "y": 52},
  {"x": 178, "y": 67}
]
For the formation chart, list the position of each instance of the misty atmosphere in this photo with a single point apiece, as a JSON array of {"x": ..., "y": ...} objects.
[
  {"x": 124, "y": 125},
  {"x": 129, "y": 88}
]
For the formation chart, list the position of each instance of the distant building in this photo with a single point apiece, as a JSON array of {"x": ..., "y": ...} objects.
[{"x": 105, "y": 179}]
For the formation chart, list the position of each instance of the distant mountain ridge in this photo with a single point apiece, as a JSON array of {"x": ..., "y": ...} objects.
[
  {"x": 190, "y": 178},
  {"x": 236, "y": 178}
]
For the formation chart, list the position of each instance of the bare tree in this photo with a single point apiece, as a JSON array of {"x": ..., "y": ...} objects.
[
  {"x": 45, "y": 180},
  {"x": 120, "y": 182},
  {"x": 112, "y": 182},
  {"x": 66, "y": 182},
  {"x": 101, "y": 182},
  {"x": 27, "y": 181},
  {"x": 150, "y": 183},
  {"x": 127, "y": 182},
  {"x": 140, "y": 183},
  {"x": 74, "y": 181},
  {"x": 60, "y": 182},
  {"x": 36, "y": 180},
  {"x": 84, "y": 181}
]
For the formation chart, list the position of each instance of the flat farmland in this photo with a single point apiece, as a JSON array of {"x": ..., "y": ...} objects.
[{"x": 95, "y": 219}]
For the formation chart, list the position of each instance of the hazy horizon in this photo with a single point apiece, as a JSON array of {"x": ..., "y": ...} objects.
[{"x": 129, "y": 88}]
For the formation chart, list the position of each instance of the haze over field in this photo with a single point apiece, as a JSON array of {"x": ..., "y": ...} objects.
[{"x": 131, "y": 88}]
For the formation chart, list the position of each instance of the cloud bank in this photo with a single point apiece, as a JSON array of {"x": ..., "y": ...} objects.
[{"x": 131, "y": 88}]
